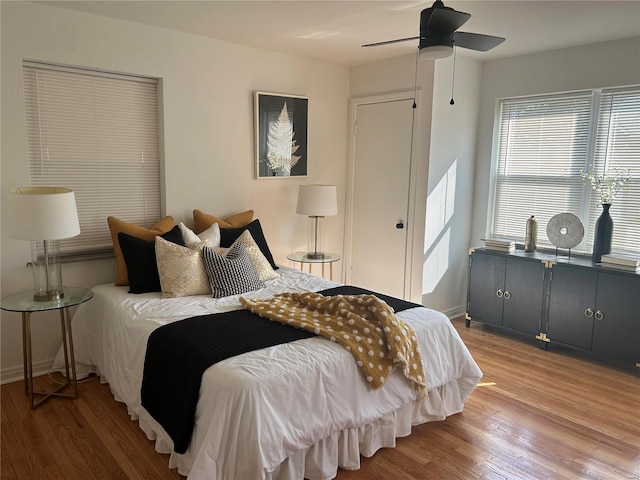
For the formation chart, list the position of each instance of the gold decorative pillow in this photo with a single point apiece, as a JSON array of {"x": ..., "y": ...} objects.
[
  {"x": 181, "y": 269},
  {"x": 259, "y": 261},
  {"x": 116, "y": 226},
  {"x": 202, "y": 221}
]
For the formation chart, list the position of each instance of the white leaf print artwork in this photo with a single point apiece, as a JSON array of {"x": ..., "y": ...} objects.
[{"x": 281, "y": 145}]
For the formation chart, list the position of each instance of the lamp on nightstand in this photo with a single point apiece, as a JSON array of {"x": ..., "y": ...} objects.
[
  {"x": 317, "y": 201},
  {"x": 43, "y": 215}
]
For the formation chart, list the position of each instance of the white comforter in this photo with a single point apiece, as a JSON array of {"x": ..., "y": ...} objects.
[{"x": 292, "y": 411}]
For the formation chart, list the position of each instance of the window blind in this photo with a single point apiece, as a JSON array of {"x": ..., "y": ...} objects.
[
  {"x": 97, "y": 134},
  {"x": 618, "y": 146},
  {"x": 544, "y": 142}
]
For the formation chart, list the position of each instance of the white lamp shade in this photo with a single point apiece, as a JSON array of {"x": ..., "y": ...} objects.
[
  {"x": 317, "y": 200},
  {"x": 42, "y": 213}
]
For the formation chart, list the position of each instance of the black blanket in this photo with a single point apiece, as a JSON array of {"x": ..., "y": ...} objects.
[{"x": 178, "y": 354}]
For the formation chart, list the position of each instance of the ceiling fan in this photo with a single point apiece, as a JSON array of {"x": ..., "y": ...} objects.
[{"x": 438, "y": 33}]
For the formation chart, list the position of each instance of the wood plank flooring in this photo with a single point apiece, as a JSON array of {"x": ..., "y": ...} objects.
[{"x": 536, "y": 415}]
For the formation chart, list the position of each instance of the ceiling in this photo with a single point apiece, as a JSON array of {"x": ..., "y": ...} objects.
[{"x": 335, "y": 30}]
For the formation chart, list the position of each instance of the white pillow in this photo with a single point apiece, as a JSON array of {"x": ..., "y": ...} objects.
[
  {"x": 259, "y": 261},
  {"x": 211, "y": 236},
  {"x": 181, "y": 269}
]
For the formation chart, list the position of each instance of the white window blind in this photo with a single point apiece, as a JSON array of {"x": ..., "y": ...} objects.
[
  {"x": 618, "y": 145},
  {"x": 543, "y": 144},
  {"x": 97, "y": 134}
]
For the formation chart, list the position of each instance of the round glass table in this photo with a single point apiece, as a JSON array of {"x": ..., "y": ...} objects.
[
  {"x": 25, "y": 304},
  {"x": 303, "y": 257}
]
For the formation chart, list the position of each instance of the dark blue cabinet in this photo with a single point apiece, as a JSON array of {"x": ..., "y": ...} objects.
[
  {"x": 557, "y": 299},
  {"x": 506, "y": 291}
]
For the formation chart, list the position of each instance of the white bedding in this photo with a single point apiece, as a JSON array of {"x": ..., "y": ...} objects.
[{"x": 292, "y": 411}]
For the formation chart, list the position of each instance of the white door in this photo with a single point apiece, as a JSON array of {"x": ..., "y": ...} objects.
[{"x": 380, "y": 173}]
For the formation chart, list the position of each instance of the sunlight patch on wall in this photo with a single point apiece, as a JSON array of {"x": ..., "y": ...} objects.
[
  {"x": 440, "y": 209},
  {"x": 436, "y": 262}
]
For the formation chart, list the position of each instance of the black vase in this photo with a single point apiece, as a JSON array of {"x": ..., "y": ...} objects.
[{"x": 603, "y": 234}]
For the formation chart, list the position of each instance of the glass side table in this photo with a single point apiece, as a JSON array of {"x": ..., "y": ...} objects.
[
  {"x": 302, "y": 258},
  {"x": 25, "y": 304}
]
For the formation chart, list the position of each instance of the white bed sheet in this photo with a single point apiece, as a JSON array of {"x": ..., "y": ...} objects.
[{"x": 291, "y": 411}]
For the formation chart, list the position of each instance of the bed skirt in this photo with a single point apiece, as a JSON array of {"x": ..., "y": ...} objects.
[{"x": 341, "y": 449}]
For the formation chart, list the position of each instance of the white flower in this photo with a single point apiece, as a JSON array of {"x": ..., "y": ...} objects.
[{"x": 608, "y": 184}]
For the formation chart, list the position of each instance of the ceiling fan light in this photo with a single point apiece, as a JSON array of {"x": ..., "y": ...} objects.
[{"x": 434, "y": 52}]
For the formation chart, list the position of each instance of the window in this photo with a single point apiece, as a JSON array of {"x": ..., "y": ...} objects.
[
  {"x": 544, "y": 142},
  {"x": 96, "y": 133}
]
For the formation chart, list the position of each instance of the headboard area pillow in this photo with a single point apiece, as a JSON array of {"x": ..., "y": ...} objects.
[
  {"x": 229, "y": 235},
  {"x": 258, "y": 260},
  {"x": 210, "y": 236},
  {"x": 202, "y": 221},
  {"x": 116, "y": 226},
  {"x": 181, "y": 269},
  {"x": 140, "y": 257},
  {"x": 231, "y": 273}
]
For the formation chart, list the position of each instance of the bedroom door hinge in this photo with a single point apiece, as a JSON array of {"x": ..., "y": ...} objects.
[{"x": 355, "y": 128}]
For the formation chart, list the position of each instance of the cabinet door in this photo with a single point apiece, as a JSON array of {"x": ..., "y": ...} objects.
[
  {"x": 616, "y": 329},
  {"x": 486, "y": 287},
  {"x": 571, "y": 305},
  {"x": 523, "y": 289}
]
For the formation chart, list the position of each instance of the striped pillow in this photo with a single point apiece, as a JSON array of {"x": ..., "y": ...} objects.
[{"x": 232, "y": 273}]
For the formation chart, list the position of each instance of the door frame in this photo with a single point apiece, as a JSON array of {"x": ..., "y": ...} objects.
[{"x": 412, "y": 284}]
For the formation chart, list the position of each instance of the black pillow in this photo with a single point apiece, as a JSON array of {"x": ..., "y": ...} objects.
[
  {"x": 229, "y": 235},
  {"x": 140, "y": 258}
]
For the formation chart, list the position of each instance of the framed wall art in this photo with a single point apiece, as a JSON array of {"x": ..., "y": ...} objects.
[{"x": 281, "y": 135}]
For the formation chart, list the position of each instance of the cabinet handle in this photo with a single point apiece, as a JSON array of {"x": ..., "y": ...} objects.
[
  {"x": 499, "y": 293},
  {"x": 588, "y": 312},
  {"x": 599, "y": 315},
  {"x": 507, "y": 295}
]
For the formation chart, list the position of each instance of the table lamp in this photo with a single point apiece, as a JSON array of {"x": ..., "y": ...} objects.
[
  {"x": 317, "y": 201},
  {"x": 43, "y": 215}
]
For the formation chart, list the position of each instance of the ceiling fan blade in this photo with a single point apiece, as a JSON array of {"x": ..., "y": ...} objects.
[
  {"x": 390, "y": 41},
  {"x": 476, "y": 41},
  {"x": 442, "y": 19}
]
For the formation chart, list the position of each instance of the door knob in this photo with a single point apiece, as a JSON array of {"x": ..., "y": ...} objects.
[{"x": 400, "y": 225}]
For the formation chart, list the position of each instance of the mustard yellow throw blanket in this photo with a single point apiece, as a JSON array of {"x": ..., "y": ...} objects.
[{"x": 363, "y": 324}]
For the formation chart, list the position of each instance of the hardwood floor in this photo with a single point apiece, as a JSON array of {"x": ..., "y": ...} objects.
[{"x": 536, "y": 415}]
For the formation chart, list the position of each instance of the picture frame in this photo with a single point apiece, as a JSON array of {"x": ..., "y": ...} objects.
[{"x": 281, "y": 133}]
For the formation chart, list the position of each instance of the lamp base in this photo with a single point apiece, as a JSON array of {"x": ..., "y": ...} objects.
[
  {"x": 48, "y": 296},
  {"x": 315, "y": 255}
]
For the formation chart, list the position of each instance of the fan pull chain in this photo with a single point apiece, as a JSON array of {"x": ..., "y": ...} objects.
[
  {"x": 415, "y": 79},
  {"x": 453, "y": 75}
]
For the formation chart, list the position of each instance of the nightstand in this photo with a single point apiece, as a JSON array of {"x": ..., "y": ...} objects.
[
  {"x": 302, "y": 258},
  {"x": 25, "y": 304}
]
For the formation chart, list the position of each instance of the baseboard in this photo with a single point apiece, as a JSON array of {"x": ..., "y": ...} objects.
[
  {"x": 16, "y": 373},
  {"x": 455, "y": 312}
]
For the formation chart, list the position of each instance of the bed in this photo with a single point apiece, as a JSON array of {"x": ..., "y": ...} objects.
[{"x": 289, "y": 411}]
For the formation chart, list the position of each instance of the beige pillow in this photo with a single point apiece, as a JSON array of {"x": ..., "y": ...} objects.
[
  {"x": 202, "y": 221},
  {"x": 259, "y": 261},
  {"x": 116, "y": 226},
  {"x": 181, "y": 269}
]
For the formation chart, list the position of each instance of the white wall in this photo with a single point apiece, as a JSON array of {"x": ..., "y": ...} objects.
[
  {"x": 606, "y": 64},
  {"x": 208, "y": 136},
  {"x": 450, "y": 190}
]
